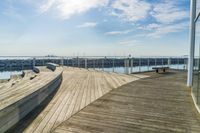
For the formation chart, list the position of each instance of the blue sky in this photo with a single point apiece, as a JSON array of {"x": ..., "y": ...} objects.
[{"x": 94, "y": 27}]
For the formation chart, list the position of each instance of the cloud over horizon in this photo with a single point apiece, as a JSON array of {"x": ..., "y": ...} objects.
[
  {"x": 118, "y": 32},
  {"x": 87, "y": 24},
  {"x": 166, "y": 13},
  {"x": 96, "y": 24},
  {"x": 130, "y": 10}
]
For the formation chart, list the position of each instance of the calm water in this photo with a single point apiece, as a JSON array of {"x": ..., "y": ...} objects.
[{"x": 8, "y": 74}]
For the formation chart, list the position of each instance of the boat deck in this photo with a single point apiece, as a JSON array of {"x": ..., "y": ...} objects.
[
  {"x": 79, "y": 88},
  {"x": 159, "y": 104}
]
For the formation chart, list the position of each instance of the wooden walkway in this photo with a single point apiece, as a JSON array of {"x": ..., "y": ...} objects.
[
  {"x": 159, "y": 104},
  {"x": 11, "y": 93},
  {"x": 19, "y": 97},
  {"x": 79, "y": 88}
]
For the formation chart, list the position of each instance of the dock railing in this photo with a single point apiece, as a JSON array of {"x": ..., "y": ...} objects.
[{"x": 121, "y": 64}]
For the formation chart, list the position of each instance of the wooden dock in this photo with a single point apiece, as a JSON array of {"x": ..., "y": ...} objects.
[
  {"x": 159, "y": 104},
  {"x": 79, "y": 88}
]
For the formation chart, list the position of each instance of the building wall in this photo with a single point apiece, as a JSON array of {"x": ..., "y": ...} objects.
[{"x": 196, "y": 68}]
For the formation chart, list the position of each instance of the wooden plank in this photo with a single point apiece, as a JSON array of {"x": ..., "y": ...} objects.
[
  {"x": 79, "y": 88},
  {"x": 40, "y": 117},
  {"x": 140, "y": 106},
  {"x": 80, "y": 96},
  {"x": 83, "y": 101},
  {"x": 71, "y": 91},
  {"x": 21, "y": 100},
  {"x": 51, "y": 112}
]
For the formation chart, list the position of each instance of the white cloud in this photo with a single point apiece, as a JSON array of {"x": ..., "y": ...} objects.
[
  {"x": 47, "y": 5},
  {"x": 87, "y": 24},
  {"x": 169, "y": 16},
  {"x": 153, "y": 26},
  {"x": 68, "y": 8},
  {"x": 129, "y": 42},
  {"x": 169, "y": 12},
  {"x": 149, "y": 27},
  {"x": 166, "y": 29},
  {"x": 130, "y": 10},
  {"x": 118, "y": 32}
]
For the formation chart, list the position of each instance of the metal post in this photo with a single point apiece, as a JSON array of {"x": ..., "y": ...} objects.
[
  {"x": 78, "y": 62},
  {"x": 155, "y": 62},
  {"x": 72, "y": 62},
  {"x": 186, "y": 64},
  {"x": 132, "y": 65},
  {"x": 61, "y": 61},
  {"x": 124, "y": 66},
  {"x": 85, "y": 63},
  {"x": 43, "y": 63},
  {"x": 93, "y": 64},
  {"x": 103, "y": 64},
  {"x": 148, "y": 63},
  {"x": 10, "y": 65},
  {"x": 162, "y": 62},
  {"x": 192, "y": 41},
  {"x": 22, "y": 64},
  {"x": 34, "y": 60},
  {"x": 128, "y": 66},
  {"x": 139, "y": 64},
  {"x": 178, "y": 63},
  {"x": 113, "y": 65},
  {"x": 126, "y": 71},
  {"x": 169, "y": 62}
]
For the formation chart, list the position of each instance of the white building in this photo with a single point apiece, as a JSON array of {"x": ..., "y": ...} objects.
[{"x": 194, "y": 56}]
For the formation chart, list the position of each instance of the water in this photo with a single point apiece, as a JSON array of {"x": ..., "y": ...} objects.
[
  {"x": 8, "y": 74},
  {"x": 139, "y": 69}
]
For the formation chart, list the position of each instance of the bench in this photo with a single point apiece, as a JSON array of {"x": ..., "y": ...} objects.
[
  {"x": 36, "y": 70},
  {"x": 51, "y": 66},
  {"x": 163, "y": 69}
]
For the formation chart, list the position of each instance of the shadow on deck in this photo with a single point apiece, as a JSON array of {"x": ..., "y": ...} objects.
[
  {"x": 28, "y": 119},
  {"x": 161, "y": 103}
]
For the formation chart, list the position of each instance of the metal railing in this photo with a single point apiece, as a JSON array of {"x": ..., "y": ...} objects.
[{"x": 104, "y": 63}]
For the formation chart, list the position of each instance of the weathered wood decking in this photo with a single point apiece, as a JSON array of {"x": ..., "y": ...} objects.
[
  {"x": 17, "y": 100},
  {"x": 79, "y": 88},
  {"x": 11, "y": 94},
  {"x": 159, "y": 104}
]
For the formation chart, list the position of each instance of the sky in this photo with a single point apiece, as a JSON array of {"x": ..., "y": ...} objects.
[{"x": 94, "y": 27}]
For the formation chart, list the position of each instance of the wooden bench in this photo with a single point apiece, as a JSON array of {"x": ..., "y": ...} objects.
[{"x": 163, "y": 69}]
